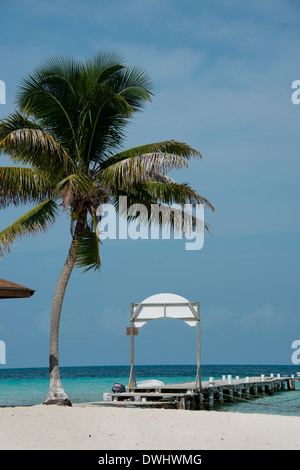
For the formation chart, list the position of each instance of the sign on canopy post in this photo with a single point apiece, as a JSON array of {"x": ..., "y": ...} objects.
[{"x": 164, "y": 306}]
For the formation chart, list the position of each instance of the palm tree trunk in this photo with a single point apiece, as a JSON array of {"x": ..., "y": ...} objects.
[{"x": 56, "y": 394}]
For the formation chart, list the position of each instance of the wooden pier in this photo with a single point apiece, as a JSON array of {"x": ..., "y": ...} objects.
[
  {"x": 195, "y": 395},
  {"x": 212, "y": 392}
]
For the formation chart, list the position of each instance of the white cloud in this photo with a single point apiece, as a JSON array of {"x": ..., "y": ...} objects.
[{"x": 265, "y": 318}]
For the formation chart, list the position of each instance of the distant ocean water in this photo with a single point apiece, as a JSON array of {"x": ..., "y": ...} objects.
[{"x": 25, "y": 387}]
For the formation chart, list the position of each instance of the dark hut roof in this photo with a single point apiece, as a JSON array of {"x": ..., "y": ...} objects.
[{"x": 10, "y": 290}]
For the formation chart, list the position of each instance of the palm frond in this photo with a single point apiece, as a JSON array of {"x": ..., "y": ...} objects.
[
  {"x": 170, "y": 193},
  {"x": 81, "y": 184},
  {"x": 125, "y": 173},
  {"x": 180, "y": 149},
  {"x": 101, "y": 68},
  {"x": 106, "y": 105},
  {"x": 134, "y": 84},
  {"x": 36, "y": 220},
  {"x": 160, "y": 215},
  {"x": 139, "y": 163},
  {"x": 165, "y": 194},
  {"x": 87, "y": 251},
  {"x": 49, "y": 95},
  {"x": 27, "y": 143},
  {"x": 19, "y": 185}
]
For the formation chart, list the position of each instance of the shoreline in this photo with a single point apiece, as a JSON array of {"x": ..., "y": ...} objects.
[{"x": 50, "y": 427}]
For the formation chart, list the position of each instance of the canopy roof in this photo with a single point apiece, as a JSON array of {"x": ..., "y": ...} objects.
[
  {"x": 165, "y": 306},
  {"x": 10, "y": 290}
]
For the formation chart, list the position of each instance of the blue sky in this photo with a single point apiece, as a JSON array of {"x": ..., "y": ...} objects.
[{"x": 222, "y": 74}]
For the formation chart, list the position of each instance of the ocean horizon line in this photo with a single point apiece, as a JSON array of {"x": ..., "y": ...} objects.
[{"x": 3, "y": 367}]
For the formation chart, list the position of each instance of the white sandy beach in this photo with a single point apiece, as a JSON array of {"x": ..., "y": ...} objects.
[{"x": 101, "y": 428}]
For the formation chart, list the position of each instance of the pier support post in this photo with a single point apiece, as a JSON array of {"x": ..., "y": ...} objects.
[
  {"x": 200, "y": 401},
  {"x": 291, "y": 384},
  {"x": 211, "y": 397},
  {"x": 181, "y": 404},
  {"x": 221, "y": 397}
]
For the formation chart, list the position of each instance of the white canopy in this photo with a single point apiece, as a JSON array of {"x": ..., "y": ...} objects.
[{"x": 165, "y": 306}]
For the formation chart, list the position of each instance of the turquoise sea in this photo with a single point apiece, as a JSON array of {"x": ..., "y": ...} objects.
[{"x": 25, "y": 387}]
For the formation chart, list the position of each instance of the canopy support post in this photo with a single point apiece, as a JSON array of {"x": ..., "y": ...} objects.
[
  {"x": 132, "y": 381},
  {"x": 198, "y": 375}
]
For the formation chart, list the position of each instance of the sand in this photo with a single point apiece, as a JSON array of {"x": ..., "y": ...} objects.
[{"x": 102, "y": 428}]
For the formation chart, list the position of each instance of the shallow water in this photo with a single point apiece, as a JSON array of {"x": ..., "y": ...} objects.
[{"x": 21, "y": 387}]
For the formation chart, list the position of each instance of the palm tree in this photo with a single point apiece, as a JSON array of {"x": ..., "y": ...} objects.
[{"x": 65, "y": 141}]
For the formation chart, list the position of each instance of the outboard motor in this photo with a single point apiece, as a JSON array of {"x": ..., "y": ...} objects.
[{"x": 118, "y": 388}]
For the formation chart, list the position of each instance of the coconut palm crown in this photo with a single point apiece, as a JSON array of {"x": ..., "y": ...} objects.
[{"x": 65, "y": 140}]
